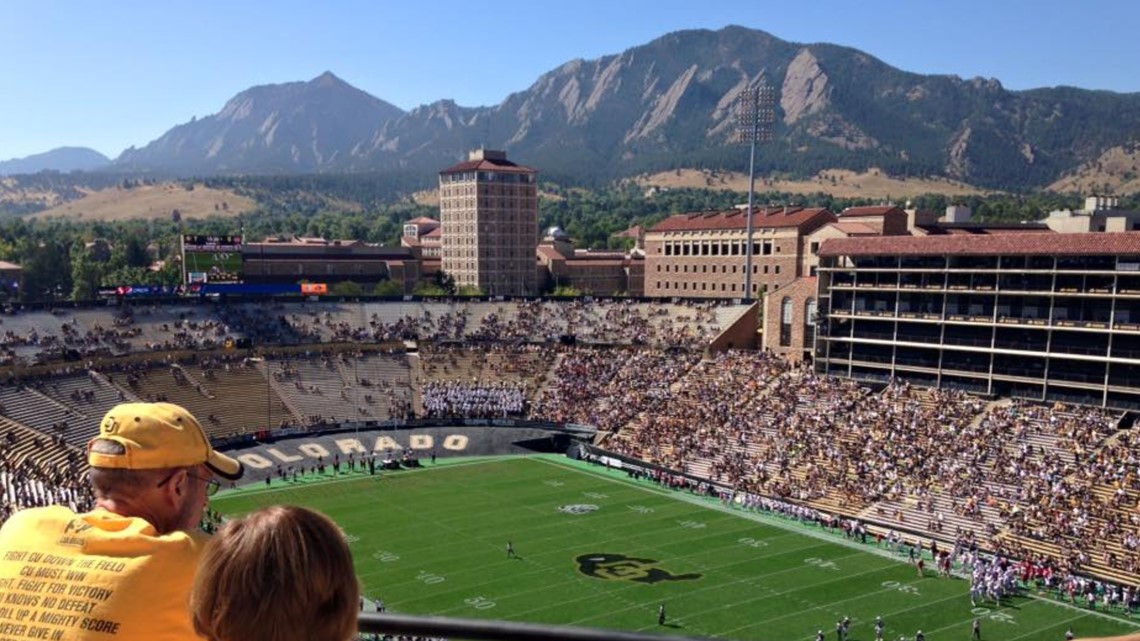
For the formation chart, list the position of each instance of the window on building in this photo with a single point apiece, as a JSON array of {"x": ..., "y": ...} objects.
[
  {"x": 777, "y": 269},
  {"x": 815, "y": 247},
  {"x": 786, "y": 322},
  {"x": 809, "y": 322}
]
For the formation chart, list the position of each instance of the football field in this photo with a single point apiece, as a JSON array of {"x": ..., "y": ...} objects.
[{"x": 596, "y": 549}]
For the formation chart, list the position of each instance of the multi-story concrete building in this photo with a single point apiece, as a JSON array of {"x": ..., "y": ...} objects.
[
  {"x": 1040, "y": 315},
  {"x": 703, "y": 255},
  {"x": 488, "y": 208}
]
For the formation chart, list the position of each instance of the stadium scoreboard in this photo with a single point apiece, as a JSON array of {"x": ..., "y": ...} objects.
[{"x": 211, "y": 259}]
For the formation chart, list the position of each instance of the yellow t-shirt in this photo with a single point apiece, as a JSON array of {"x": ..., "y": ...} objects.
[{"x": 80, "y": 577}]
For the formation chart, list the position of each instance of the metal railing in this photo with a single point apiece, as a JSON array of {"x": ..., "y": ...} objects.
[{"x": 492, "y": 630}]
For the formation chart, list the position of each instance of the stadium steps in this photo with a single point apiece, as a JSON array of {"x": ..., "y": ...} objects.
[
  {"x": 106, "y": 396},
  {"x": 317, "y": 391},
  {"x": 286, "y": 401},
  {"x": 241, "y": 401},
  {"x": 104, "y": 380},
  {"x": 346, "y": 376},
  {"x": 415, "y": 377},
  {"x": 550, "y": 385},
  {"x": 37, "y": 410},
  {"x": 33, "y": 448}
]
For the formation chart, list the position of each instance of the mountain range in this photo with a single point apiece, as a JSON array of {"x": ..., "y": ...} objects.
[
  {"x": 62, "y": 159},
  {"x": 665, "y": 105}
]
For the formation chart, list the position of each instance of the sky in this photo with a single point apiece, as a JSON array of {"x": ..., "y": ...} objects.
[{"x": 112, "y": 74}]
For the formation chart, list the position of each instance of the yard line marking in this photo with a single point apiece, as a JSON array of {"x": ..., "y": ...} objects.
[{"x": 777, "y": 522}]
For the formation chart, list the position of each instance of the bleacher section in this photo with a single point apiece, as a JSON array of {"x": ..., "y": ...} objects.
[{"x": 1022, "y": 478}]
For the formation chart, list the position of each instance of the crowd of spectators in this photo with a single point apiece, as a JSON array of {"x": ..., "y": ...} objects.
[
  {"x": 39, "y": 336},
  {"x": 1029, "y": 480},
  {"x": 30, "y": 481}
]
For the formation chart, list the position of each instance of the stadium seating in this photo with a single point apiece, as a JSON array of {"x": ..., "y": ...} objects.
[{"x": 1027, "y": 479}]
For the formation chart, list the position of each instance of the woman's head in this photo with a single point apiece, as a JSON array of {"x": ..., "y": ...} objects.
[{"x": 283, "y": 573}]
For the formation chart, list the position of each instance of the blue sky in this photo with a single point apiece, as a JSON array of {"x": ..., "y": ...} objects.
[{"x": 117, "y": 73}]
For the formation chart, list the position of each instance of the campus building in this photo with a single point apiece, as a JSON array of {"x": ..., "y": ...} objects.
[
  {"x": 597, "y": 273},
  {"x": 488, "y": 208},
  {"x": 703, "y": 255},
  {"x": 1044, "y": 316},
  {"x": 317, "y": 260}
]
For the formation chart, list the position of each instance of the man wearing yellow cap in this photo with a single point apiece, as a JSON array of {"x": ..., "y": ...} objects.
[{"x": 123, "y": 570}]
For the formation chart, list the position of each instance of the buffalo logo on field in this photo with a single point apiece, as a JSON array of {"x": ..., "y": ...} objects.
[
  {"x": 619, "y": 567},
  {"x": 578, "y": 508}
]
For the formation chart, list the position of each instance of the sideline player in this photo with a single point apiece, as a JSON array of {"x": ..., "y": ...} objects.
[
  {"x": 661, "y": 614},
  {"x": 511, "y": 551}
]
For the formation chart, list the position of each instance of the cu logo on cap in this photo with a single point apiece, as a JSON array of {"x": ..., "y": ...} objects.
[{"x": 110, "y": 425}]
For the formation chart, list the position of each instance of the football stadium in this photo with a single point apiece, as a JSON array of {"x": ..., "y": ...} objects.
[{"x": 610, "y": 464}]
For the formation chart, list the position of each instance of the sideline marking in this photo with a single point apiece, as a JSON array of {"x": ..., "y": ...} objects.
[{"x": 248, "y": 490}]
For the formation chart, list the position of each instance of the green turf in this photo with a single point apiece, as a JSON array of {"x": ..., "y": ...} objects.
[{"x": 434, "y": 541}]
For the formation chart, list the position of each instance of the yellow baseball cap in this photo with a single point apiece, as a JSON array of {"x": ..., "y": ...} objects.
[{"x": 156, "y": 436}]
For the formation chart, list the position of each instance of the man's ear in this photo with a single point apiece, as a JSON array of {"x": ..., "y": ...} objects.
[{"x": 174, "y": 490}]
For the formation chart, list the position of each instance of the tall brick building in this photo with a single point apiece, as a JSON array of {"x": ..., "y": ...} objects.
[{"x": 488, "y": 208}]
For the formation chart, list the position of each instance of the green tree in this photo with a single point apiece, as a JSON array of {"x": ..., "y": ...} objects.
[
  {"x": 469, "y": 290},
  {"x": 346, "y": 288},
  {"x": 47, "y": 273},
  {"x": 86, "y": 276},
  {"x": 566, "y": 291},
  {"x": 388, "y": 288},
  {"x": 429, "y": 289}
]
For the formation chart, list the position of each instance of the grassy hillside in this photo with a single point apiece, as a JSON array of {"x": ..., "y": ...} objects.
[
  {"x": 149, "y": 202},
  {"x": 1117, "y": 171},
  {"x": 840, "y": 183}
]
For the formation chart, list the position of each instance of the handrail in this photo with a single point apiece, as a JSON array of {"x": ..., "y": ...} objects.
[{"x": 492, "y": 630}]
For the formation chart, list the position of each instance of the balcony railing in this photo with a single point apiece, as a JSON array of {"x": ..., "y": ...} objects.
[{"x": 491, "y": 630}]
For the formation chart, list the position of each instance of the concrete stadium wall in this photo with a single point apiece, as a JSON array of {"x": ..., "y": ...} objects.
[{"x": 263, "y": 458}]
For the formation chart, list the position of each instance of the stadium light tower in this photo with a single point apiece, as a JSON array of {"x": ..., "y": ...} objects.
[{"x": 755, "y": 114}]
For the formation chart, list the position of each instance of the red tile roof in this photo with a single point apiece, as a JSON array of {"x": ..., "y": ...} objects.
[
  {"x": 977, "y": 229},
  {"x": 422, "y": 220},
  {"x": 737, "y": 219},
  {"x": 852, "y": 228},
  {"x": 489, "y": 165},
  {"x": 1000, "y": 244},
  {"x": 852, "y": 212},
  {"x": 435, "y": 233},
  {"x": 550, "y": 253}
]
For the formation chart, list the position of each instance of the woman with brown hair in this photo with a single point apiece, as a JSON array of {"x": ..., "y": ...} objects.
[{"x": 283, "y": 573}]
